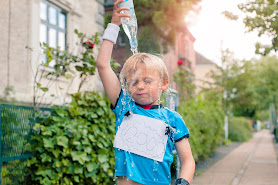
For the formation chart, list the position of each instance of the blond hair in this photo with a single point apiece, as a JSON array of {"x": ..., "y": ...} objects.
[{"x": 149, "y": 60}]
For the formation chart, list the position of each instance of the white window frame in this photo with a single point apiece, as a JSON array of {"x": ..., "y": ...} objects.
[{"x": 50, "y": 27}]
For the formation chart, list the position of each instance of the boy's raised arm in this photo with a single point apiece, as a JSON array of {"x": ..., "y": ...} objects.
[{"x": 109, "y": 79}]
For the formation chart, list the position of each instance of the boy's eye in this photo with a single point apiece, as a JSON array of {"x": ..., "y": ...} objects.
[
  {"x": 147, "y": 81},
  {"x": 134, "y": 83}
]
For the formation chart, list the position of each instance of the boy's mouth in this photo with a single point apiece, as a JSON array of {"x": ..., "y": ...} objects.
[{"x": 140, "y": 94}]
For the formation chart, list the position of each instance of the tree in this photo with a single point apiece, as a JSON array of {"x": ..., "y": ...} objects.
[
  {"x": 161, "y": 20},
  {"x": 267, "y": 84},
  {"x": 261, "y": 15},
  {"x": 235, "y": 80}
]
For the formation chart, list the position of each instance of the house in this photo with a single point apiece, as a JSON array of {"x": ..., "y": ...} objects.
[
  {"x": 204, "y": 67},
  {"x": 26, "y": 23},
  {"x": 184, "y": 51}
]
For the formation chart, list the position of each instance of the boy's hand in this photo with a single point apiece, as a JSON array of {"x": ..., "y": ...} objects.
[{"x": 117, "y": 15}]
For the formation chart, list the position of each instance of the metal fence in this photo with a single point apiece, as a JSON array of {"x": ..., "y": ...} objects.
[{"x": 16, "y": 123}]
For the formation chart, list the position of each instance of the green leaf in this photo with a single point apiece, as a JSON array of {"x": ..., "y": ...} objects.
[
  {"x": 102, "y": 103},
  {"x": 94, "y": 115},
  {"x": 77, "y": 143},
  {"x": 56, "y": 153},
  {"x": 78, "y": 68},
  {"x": 80, "y": 35},
  {"x": 68, "y": 76},
  {"x": 102, "y": 158},
  {"x": 47, "y": 132},
  {"x": 60, "y": 113},
  {"x": 92, "y": 138},
  {"x": 102, "y": 151},
  {"x": 91, "y": 167},
  {"x": 100, "y": 112},
  {"x": 88, "y": 149},
  {"x": 58, "y": 164},
  {"x": 48, "y": 143},
  {"x": 57, "y": 119},
  {"x": 105, "y": 167},
  {"x": 62, "y": 141},
  {"x": 66, "y": 162},
  {"x": 81, "y": 157},
  {"x": 86, "y": 141},
  {"x": 45, "y": 158},
  {"x": 76, "y": 178},
  {"x": 78, "y": 169},
  {"x": 44, "y": 173},
  {"x": 100, "y": 145},
  {"x": 44, "y": 89}
]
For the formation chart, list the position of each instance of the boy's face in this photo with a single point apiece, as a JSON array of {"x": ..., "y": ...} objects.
[{"x": 145, "y": 85}]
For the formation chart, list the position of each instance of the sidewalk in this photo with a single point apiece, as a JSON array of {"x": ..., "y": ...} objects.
[{"x": 252, "y": 163}]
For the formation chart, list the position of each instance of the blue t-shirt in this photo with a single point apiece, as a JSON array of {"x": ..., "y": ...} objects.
[{"x": 138, "y": 168}]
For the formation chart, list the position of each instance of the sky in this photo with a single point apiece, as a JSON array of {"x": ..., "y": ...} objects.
[{"x": 212, "y": 30}]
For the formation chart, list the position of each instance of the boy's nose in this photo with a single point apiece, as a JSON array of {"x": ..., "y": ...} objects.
[{"x": 140, "y": 86}]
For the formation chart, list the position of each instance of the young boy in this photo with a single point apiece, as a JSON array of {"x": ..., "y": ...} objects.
[{"x": 142, "y": 154}]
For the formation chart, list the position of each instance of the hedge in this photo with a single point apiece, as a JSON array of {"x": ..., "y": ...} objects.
[
  {"x": 204, "y": 118},
  {"x": 240, "y": 129},
  {"x": 75, "y": 144}
]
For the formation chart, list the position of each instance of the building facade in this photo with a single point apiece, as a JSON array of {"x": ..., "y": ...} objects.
[
  {"x": 184, "y": 51},
  {"x": 27, "y": 23},
  {"x": 204, "y": 68}
]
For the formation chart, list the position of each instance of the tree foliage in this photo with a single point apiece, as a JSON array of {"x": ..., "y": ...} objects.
[
  {"x": 235, "y": 79},
  {"x": 261, "y": 15},
  {"x": 249, "y": 87},
  {"x": 163, "y": 19},
  {"x": 267, "y": 83}
]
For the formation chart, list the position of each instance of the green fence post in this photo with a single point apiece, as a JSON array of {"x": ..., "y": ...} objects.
[{"x": 0, "y": 144}]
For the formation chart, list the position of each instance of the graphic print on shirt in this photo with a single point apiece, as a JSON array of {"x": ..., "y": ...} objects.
[{"x": 143, "y": 136}]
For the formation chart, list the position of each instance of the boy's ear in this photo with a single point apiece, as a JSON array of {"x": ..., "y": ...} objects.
[{"x": 164, "y": 86}]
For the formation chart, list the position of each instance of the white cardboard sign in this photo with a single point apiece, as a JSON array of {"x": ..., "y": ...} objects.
[{"x": 143, "y": 136}]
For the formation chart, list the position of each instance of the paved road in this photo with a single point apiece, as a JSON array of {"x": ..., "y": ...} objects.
[{"x": 252, "y": 163}]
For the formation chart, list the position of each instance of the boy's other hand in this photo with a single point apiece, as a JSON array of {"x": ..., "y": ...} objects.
[{"x": 117, "y": 15}]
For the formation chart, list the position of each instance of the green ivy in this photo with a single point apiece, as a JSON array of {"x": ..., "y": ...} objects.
[{"x": 75, "y": 144}]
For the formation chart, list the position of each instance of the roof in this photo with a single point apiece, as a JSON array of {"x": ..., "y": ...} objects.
[{"x": 200, "y": 59}]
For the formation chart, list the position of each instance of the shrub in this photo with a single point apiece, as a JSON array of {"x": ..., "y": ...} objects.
[
  {"x": 240, "y": 129},
  {"x": 204, "y": 118},
  {"x": 74, "y": 144}
]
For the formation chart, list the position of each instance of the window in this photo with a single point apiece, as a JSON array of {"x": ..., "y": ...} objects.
[
  {"x": 52, "y": 27},
  {"x": 122, "y": 40}
]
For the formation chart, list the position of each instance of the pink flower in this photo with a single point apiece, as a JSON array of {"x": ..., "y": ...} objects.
[
  {"x": 180, "y": 62},
  {"x": 88, "y": 45}
]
